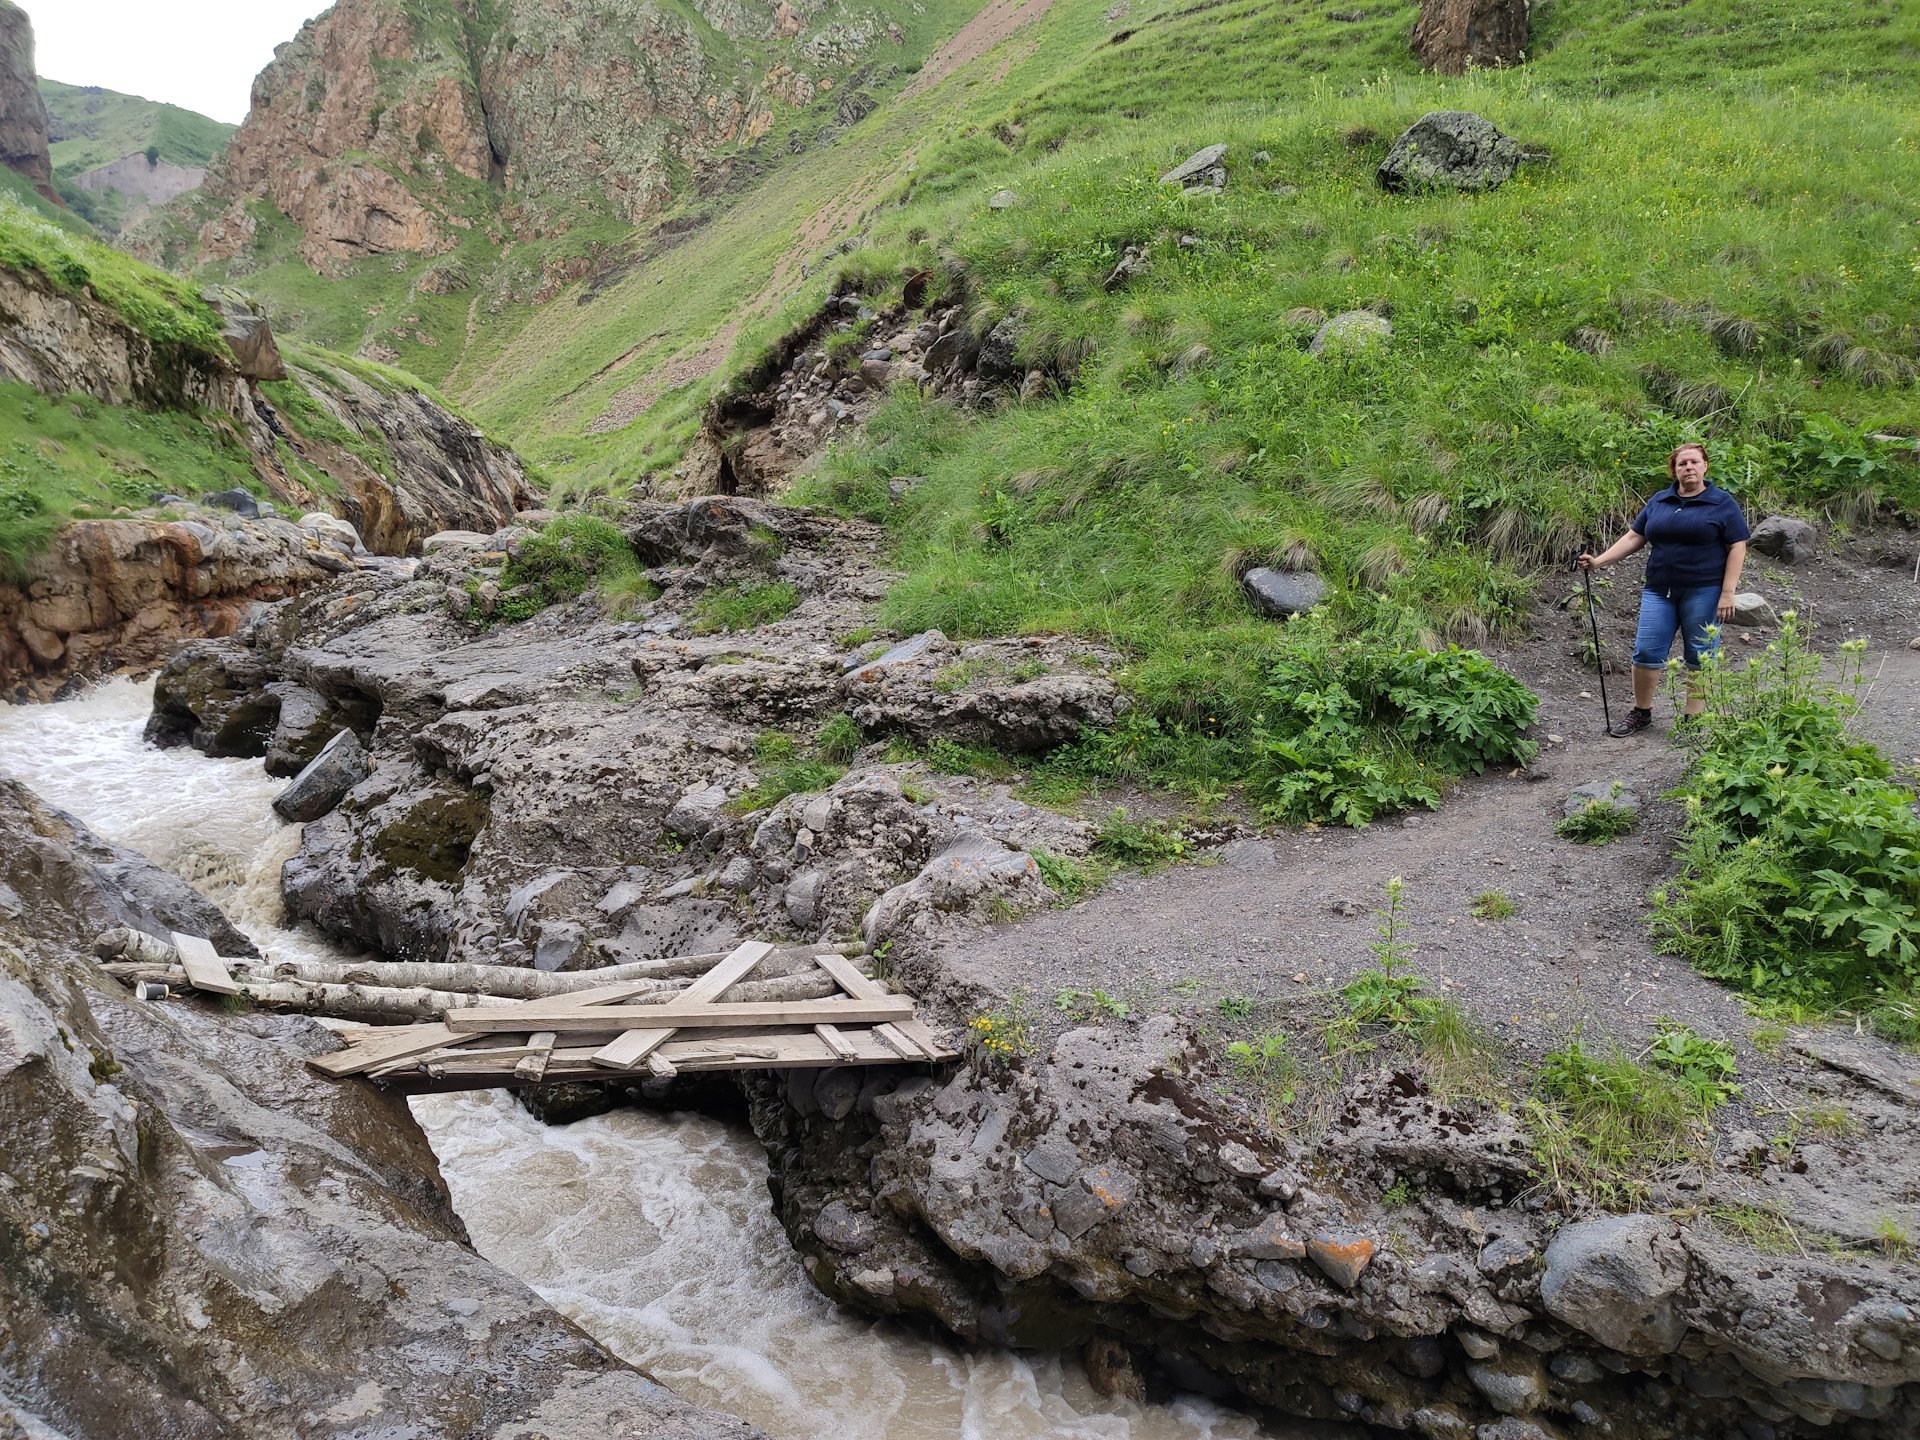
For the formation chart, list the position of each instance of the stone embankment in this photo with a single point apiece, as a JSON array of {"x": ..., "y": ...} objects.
[
  {"x": 571, "y": 791},
  {"x": 203, "y": 1240}
]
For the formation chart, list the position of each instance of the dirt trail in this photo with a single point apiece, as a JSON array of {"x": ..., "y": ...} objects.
[
  {"x": 1269, "y": 917},
  {"x": 987, "y": 29}
]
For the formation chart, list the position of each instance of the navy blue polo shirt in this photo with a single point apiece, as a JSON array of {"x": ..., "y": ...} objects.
[{"x": 1688, "y": 537}]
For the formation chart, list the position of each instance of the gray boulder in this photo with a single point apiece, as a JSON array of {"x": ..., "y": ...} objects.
[
  {"x": 1751, "y": 608},
  {"x": 1600, "y": 791},
  {"x": 1203, "y": 167},
  {"x": 1618, "y": 1279},
  {"x": 340, "y": 765},
  {"x": 1450, "y": 150},
  {"x": 244, "y": 326},
  {"x": 1280, "y": 594},
  {"x": 1003, "y": 200},
  {"x": 236, "y": 500},
  {"x": 997, "y": 360},
  {"x": 1785, "y": 538},
  {"x": 1350, "y": 332}
]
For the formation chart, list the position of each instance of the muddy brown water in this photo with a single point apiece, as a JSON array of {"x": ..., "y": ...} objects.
[{"x": 652, "y": 1232}]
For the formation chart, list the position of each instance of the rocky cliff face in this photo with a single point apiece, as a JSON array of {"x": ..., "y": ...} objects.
[
  {"x": 384, "y": 127},
  {"x": 202, "y": 1240},
  {"x": 23, "y": 116},
  {"x": 146, "y": 183},
  {"x": 119, "y": 593}
]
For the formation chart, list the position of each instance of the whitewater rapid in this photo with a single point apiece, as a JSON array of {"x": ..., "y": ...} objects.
[{"x": 653, "y": 1232}]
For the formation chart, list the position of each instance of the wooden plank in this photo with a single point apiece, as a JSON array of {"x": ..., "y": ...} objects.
[
  {"x": 835, "y": 1041},
  {"x": 634, "y": 1046},
  {"x": 660, "y": 1067},
  {"x": 398, "y": 1041},
  {"x": 532, "y": 1066},
  {"x": 759, "y": 1014},
  {"x": 917, "y": 1035},
  {"x": 205, "y": 969},
  {"x": 907, "y": 1047}
]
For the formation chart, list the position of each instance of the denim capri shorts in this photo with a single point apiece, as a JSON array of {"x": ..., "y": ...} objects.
[{"x": 1690, "y": 611}]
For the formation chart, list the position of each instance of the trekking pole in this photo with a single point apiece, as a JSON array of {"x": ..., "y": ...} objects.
[{"x": 1593, "y": 628}]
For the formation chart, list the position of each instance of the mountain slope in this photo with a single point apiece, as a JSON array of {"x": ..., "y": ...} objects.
[{"x": 90, "y": 127}]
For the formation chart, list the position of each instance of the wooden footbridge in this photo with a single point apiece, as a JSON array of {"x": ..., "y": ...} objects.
[{"x": 755, "y": 1007}]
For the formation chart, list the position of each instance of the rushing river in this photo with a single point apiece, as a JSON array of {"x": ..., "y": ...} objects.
[{"x": 653, "y": 1232}]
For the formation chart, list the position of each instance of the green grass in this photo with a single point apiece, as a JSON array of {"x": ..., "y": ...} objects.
[
  {"x": 727, "y": 608},
  {"x": 165, "y": 309},
  {"x": 1602, "y": 1123},
  {"x": 72, "y": 457},
  {"x": 96, "y": 127}
]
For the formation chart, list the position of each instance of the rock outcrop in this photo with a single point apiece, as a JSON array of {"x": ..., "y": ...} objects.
[
  {"x": 1455, "y": 36},
  {"x": 383, "y": 129},
  {"x": 23, "y": 115},
  {"x": 1450, "y": 150},
  {"x": 203, "y": 1240},
  {"x": 109, "y": 595}
]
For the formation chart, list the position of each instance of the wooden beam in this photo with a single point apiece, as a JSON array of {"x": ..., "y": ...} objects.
[
  {"x": 532, "y": 1066},
  {"x": 835, "y": 1041},
  {"x": 759, "y": 1014},
  {"x": 205, "y": 969},
  {"x": 915, "y": 1039},
  {"x": 399, "y": 1041},
  {"x": 634, "y": 1046}
]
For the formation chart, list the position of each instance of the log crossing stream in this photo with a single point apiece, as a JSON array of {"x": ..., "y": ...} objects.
[{"x": 653, "y": 1232}]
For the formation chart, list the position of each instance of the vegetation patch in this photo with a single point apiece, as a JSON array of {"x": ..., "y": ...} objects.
[
  {"x": 1800, "y": 870},
  {"x": 71, "y": 457},
  {"x": 564, "y": 559},
  {"x": 1602, "y": 1123},
  {"x": 728, "y": 608}
]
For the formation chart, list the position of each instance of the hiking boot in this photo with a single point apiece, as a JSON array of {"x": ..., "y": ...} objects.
[{"x": 1636, "y": 721}]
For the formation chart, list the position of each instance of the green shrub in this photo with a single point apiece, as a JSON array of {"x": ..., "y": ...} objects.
[
  {"x": 566, "y": 558},
  {"x": 728, "y": 608},
  {"x": 1800, "y": 871},
  {"x": 1704, "y": 1068},
  {"x": 1598, "y": 822},
  {"x": 1145, "y": 845},
  {"x": 1349, "y": 732}
]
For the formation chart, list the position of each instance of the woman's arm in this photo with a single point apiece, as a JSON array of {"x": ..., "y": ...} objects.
[
  {"x": 1620, "y": 549},
  {"x": 1730, "y": 583}
]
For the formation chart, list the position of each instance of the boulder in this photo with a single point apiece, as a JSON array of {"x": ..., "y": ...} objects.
[
  {"x": 1455, "y": 36},
  {"x": 1600, "y": 791},
  {"x": 964, "y": 878},
  {"x": 1003, "y": 200},
  {"x": 1785, "y": 538},
  {"x": 245, "y": 328},
  {"x": 997, "y": 351},
  {"x": 1618, "y": 1280},
  {"x": 1350, "y": 332},
  {"x": 236, "y": 500},
  {"x": 1280, "y": 594},
  {"x": 335, "y": 529},
  {"x": 1751, "y": 608},
  {"x": 340, "y": 765},
  {"x": 1202, "y": 168},
  {"x": 1449, "y": 150}
]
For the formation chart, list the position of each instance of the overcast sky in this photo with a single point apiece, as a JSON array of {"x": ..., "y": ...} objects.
[{"x": 200, "y": 54}]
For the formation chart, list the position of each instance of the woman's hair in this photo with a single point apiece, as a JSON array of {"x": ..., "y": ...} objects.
[{"x": 1680, "y": 450}]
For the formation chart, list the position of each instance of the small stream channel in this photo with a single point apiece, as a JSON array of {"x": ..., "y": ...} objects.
[{"x": 653, "y": 1232}]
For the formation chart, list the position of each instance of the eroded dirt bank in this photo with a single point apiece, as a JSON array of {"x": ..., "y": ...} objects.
[{"x": 570, "y": 790}]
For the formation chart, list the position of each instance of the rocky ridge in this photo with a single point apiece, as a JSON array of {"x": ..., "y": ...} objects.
[
  {"x": 200, "y": 1234},
  {"x": 1097, "y": 1194},
  {"x": 382, "y": 129}
]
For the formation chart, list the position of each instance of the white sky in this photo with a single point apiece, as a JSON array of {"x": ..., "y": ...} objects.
[{"x": 200, "y": 54}]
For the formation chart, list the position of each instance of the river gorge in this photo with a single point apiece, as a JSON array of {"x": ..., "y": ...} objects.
[{"x": 650, "y": 1230}]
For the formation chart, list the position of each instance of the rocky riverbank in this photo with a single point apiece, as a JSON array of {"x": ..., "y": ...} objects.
[
  {"x": 571, "y": 790},
  {"x": 199, "y": 1234}
]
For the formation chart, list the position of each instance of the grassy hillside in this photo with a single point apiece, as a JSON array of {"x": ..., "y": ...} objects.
[{"x": 90, "y": 126}]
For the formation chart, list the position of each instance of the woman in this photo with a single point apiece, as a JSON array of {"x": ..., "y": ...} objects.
[{"x": 1699, "y": 540}]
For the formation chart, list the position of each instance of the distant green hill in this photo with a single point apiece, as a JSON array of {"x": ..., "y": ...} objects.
[{"x": 90, "y": 126}]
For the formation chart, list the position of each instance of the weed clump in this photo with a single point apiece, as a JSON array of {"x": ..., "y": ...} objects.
[
  {"x": 727, "y": 608},
  {"x": 1599, "y": 822},
  {"x": 566, "y": 558},
  {"x": 1602, "y": 1123}
]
